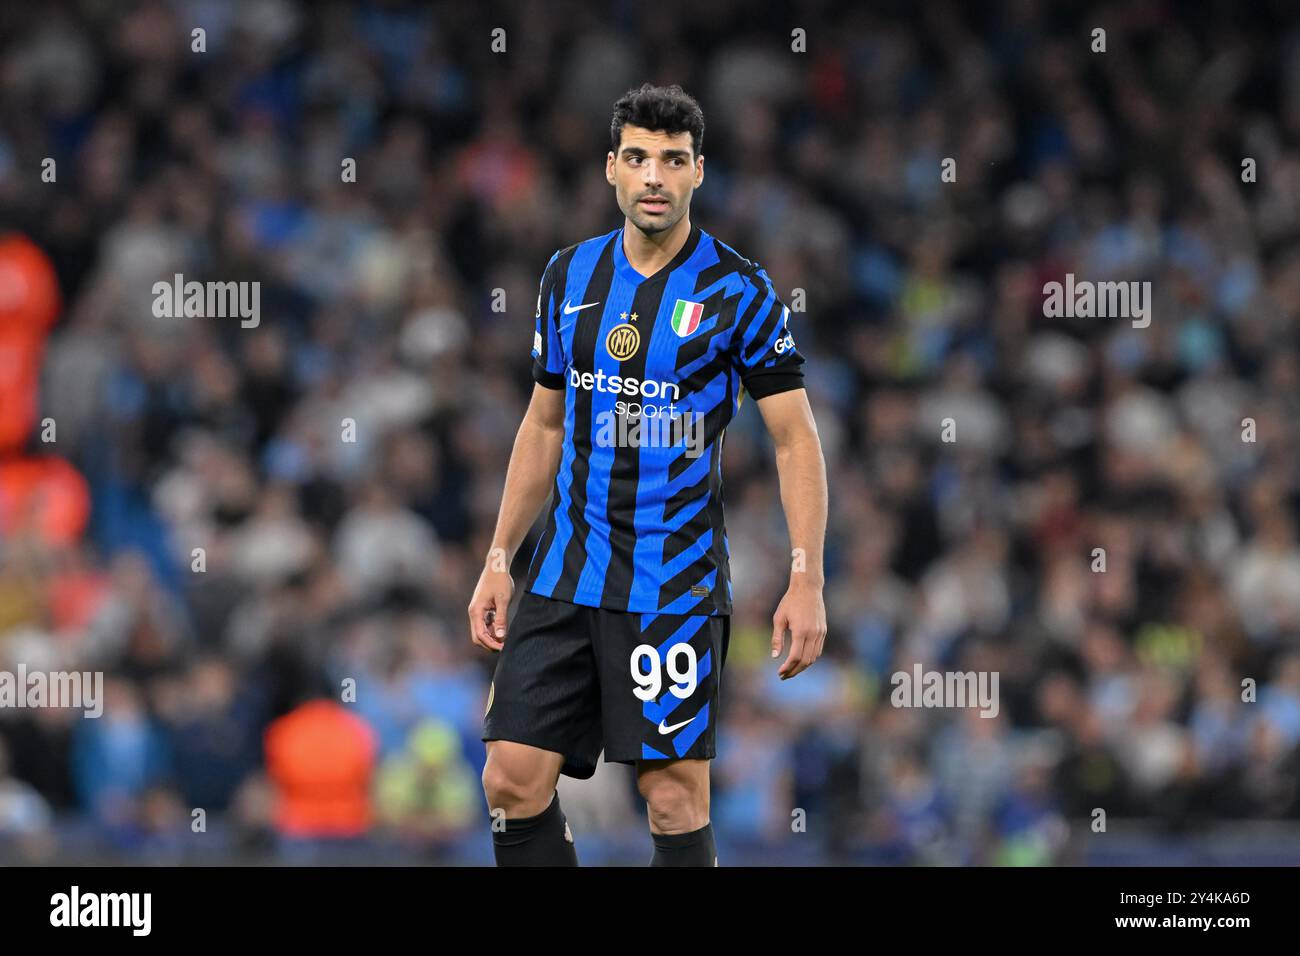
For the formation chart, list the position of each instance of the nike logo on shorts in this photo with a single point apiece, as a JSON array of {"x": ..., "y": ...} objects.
[{"x": 669, "y": 730}]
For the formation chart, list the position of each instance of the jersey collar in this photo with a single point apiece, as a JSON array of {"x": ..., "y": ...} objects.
[{"x": 630, "y": 274}]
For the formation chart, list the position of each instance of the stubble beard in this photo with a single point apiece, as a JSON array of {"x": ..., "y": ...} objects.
[{"x": 651, "y": 225}]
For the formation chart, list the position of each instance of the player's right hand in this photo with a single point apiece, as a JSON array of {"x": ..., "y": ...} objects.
[{"x": 489, "y": 606}]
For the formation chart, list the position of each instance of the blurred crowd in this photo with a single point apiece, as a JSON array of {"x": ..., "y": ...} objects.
[{"x": 286, "y": 521}]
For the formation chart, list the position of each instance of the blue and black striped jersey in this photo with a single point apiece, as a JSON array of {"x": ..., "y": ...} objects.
[{"x": 653, "y": 370}]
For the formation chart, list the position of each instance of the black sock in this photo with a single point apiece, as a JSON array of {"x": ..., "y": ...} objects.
[
  {"x": 543, "y": 840},
  {"x": 685, "y": 849}
]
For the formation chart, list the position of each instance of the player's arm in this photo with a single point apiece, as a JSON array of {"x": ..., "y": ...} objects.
[
  {"x": 531, "y": 473},
  {"x": 802, "y": 473},
  {"x": 529, "y": 478},
  {"x": 770, "y": 369}
]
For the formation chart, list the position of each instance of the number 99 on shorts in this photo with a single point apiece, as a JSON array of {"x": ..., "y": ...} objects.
[{"x": 680, "y": 663}]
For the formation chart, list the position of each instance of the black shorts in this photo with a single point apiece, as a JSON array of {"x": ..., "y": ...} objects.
[{"x": 564, "y": 682}]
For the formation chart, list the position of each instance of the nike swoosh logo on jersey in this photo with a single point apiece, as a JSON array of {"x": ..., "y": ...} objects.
[
  {"x": 577, "y": 308},
  {"x": 669, "y": 730}
]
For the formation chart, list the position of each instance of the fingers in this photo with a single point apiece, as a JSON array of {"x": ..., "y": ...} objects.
[
  {"x": 821, "y": 643},
  {"x": 779, "y": 624},
  {"x": 499, "y": 619},
  {"x": 805, "y": 648},
  {"x": 481, "y": 612},
  {"x": 796, "y": 660},
  {"x": 490, "y": 640},
  {"x": 476, "y": 623}
]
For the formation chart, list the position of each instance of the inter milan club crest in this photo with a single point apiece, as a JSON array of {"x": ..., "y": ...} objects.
[
  {"x": 686, "y": 317},
  {"x": 623, "y": 341}
]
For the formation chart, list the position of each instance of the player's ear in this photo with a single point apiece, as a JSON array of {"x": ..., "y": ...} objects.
[
  {"x": 609, "y": 167},
  {"x": 699, "y": 171}
]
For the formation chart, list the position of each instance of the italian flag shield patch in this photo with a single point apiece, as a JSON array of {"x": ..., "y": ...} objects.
[{"x": 686, "y": 317}]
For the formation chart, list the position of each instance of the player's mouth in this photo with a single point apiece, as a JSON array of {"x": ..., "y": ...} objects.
[{"x": 654, "y": 204}]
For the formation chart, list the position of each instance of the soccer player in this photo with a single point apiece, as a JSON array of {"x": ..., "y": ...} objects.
[{"x": 647, "y": 339}]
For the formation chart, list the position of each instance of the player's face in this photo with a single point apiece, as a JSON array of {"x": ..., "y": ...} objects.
[{"x": 654, "y": 175}]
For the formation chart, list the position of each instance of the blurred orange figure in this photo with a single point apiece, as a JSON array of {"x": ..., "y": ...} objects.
[
  {"x": 29, "y": 304},
  {"x": 43, "y": 495},
  {"x": 321, "y": 760}
]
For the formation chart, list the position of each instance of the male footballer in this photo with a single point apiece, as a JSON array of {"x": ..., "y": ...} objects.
[{"x": 647, "y": 339}]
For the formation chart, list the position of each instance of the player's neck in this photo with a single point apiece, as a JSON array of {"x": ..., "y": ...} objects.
[{"x": 648, "y": 254}]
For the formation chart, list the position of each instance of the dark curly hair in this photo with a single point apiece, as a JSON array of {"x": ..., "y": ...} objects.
[{"x": 669, "y": 109}]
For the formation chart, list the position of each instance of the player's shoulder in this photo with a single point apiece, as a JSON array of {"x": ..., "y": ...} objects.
[
  {"x": 565, "y": 255},
  {"x": 749, "y": 270}
]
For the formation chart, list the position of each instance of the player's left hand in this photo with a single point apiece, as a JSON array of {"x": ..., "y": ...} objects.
[{"x": 803, "y": 614}]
